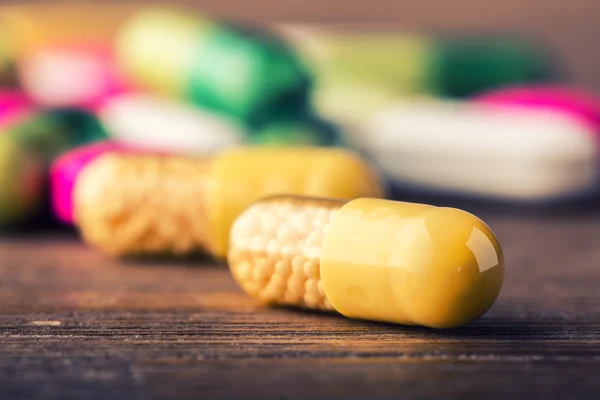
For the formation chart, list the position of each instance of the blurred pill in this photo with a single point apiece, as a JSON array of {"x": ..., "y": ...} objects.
[
  {"x": 456, "y": 66},
  {"x": 165, "y": 125},
  {"x": 575, "y": 102},
  {"x": 358, "y": 72},
  {"x": 28, "y": 146},
  {"x": 138, "y": 204},
  {"x": 156, "y": 47},
  {"x": 351, "y": 103},
  {"x": 508, "y": 154},
  {"x": 246, "y": 74},
  {"x": 66, "y": 169},
  {"x": 462, "y": 66},
  {"x": 71, "y": 75},
  {"x": 394, "y": 60}
]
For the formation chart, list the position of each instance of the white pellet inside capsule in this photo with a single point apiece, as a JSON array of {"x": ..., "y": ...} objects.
[{"x": 276, "y": 248}]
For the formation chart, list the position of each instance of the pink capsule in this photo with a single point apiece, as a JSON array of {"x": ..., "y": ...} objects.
[{"x": 575, "y": 102}]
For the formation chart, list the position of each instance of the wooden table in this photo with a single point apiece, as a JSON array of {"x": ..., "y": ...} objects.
[{"x": 74, "y": 324}]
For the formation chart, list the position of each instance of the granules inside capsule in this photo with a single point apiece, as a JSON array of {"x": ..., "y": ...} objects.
[
  {"x": 134, "y": 204},
  {"x": 276, "y": 249}
]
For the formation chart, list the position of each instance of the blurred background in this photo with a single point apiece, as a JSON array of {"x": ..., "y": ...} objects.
[
  {"x": 570, "y": 29},
  {"x": 493, "y": 103}
]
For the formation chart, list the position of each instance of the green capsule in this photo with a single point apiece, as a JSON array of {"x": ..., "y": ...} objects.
[
  {"x": 461, "y": 67},
  {"x": 247, "y": 75},
  {"x": 361, "y": 70}
]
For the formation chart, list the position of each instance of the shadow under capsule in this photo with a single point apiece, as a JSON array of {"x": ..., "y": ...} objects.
[{"x": 484, "y": 329}]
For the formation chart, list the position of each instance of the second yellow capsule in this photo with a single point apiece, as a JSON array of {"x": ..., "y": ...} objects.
[{"x": 131, "y": 204}]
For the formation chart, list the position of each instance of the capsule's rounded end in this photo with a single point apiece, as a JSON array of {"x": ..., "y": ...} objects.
[
  {"x": 461, "y": 274},
  {"x": 410, "y": 264}
]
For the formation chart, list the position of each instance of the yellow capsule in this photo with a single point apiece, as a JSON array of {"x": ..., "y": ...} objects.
[
  {"x": 376, "y": 259},
  {"x": 129, "y": 204}
]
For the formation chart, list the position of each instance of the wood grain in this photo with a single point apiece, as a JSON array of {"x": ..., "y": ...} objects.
[{"x": 74, "y": 324}]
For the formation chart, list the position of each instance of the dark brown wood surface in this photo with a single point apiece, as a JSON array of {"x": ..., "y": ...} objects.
[{"x": 74, "y": 324}]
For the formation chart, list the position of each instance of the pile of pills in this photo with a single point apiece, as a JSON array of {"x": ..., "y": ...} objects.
[{"x": 165, "y": 132}]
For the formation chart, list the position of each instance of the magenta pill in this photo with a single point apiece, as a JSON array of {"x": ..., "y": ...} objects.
[
  {"x": 64, "y": 172},
  {"x": 575, "y": 102}
]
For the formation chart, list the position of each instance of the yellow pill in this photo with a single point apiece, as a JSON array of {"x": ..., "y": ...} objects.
[
  {"x": 379, "y": 260},
  {"x": 131, "y": 204}
]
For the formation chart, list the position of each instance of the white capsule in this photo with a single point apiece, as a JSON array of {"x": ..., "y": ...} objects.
[
  {"x": 167, "y": 125},
  {"x": 468, "y": 149}
]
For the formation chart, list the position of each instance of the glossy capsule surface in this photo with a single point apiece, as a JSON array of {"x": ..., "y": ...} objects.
[
  {"x": 139, "y": 204},
  {"x": 371, "y": 259}
]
